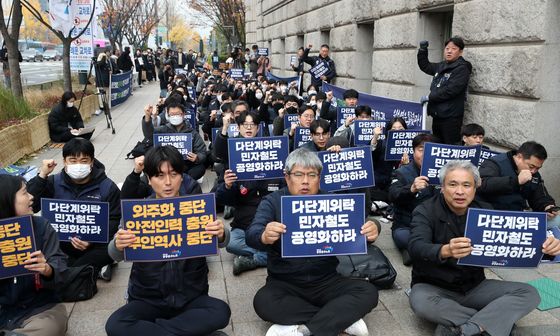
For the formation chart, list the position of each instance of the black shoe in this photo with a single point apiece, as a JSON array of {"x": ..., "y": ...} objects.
[
  {"x": 106, "y": 272},
  {"x": 406, "y": 260},
  {"x": 228, "y": 212},
  {"x": 243, "y": 264},
  {"x": 442, "y": 330}
]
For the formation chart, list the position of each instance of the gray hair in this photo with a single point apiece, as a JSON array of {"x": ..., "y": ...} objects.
[
  {"x": 459, "y": 164},
  {"x": 303, "y": 158},
  {"x": 236, "y": 103}
]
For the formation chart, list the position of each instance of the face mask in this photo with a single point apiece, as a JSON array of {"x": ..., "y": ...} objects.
[
  {"x": 312, "y": 103},
  {"x": 311, "y": 92},
  {"x": 69, "y": 104},
  {"x": 291, "y": 110},
  {"x": 219, "y": 98},
  {"x": 258, "y": 95},
  {"x": 176, "y": 120},
  {"x": 264, "y": 87},
  {"x": 78, "y": 171}
]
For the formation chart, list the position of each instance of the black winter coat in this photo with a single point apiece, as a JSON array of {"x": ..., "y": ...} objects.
[
  {"x": 448, "y": 90},
  {"x": 60, "y": 118}
]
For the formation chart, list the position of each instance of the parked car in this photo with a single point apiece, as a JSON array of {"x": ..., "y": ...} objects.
[
  {"x": 32, "y": 55},
  {"x": 52, "y": 55}
]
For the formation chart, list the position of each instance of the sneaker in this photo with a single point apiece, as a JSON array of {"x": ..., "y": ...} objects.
[
  {"x": 228, "y": 212},
  {"x": 106, "y": 272},
  {"x": 98, "y": 112},
  {"x": 406, "y": 260},
  {"x": 243, "y": 264},
  {"x": 283, "y": 330},
  {"x": 442, "y": 330},
  {"x": 358, "y": 328}
]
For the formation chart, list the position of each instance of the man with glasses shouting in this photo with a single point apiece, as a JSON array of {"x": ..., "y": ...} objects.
[{"x": 306, "y": 296}]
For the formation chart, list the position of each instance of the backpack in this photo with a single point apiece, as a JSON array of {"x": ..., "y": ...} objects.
[
  {"x": 139, "y": 149},
  {"x": 80, "y": 283},
  {"x": 373, "y": 267}
]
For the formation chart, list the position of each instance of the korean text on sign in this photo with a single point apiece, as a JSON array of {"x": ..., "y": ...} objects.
[
  {"x": 485, "y": 154},
  {"x": 170, "y": 228},
  {"x": 320, "y": 69},
  {"x": 302, "y": 136},
  {"x": 350, "y": 168},
  {"x": 320, "y": 225},
  {"x": 364, "y": 131},
  {"x": 504, "y": 238},
  {"x": 17, "y": 242},
  {"x": 437, "y": 155},
  {"x": 258, "y": 158},
  {"x": 290, "y": 119},
  {"x": 88, "y": 221},
  {"x": 181, "y": 141},
  {"x": 400, "y": 142},
  {"x": 342, "y": 113}
]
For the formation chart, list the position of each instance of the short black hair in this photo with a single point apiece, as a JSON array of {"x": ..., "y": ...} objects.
[
  {"x": 77, "y": 146},
  {"x": 157, "y": 155},
  {"x": 322, "y": 123},
  {"x": 304, "y": 108},
  {"x": 325, "y": 46},
  {"x": 10, "y": 186},
  {"x": 321, "y": 96},
  {"x": 175, "y": 104},
  {"x": 341, "y": 141},
  {"x": 291, "y": 98},
  {"x": 456, "y": 41},
  {"x": 226, "y": 96},
  {"x": 391, "y": 122},
  {"x": 472, "y": 129},
  {"x": 66, "y": 96},
  {"x": 532, "y": 148},
  {"x": 361, "y": 109},
  {"x": 350, "y": 93},
  {"x": 243, "y": 116},
  {"x": 422, "y": 138},
  {"x": 226, "y": 107},
  {"x": 276, "y": 96}
]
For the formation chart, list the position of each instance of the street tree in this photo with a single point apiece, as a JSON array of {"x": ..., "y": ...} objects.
[
  {"x": 144, "y": 19},
  {"x": 227, "y": 16},
  {"x": 10, "y": 33},
  {"x": 116, "y": 16}
]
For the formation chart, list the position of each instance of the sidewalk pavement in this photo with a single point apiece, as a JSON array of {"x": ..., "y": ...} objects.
[{"x": 392, "y": 316}]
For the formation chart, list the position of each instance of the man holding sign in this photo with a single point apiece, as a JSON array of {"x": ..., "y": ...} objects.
[
  {"x": 167, "y": 297},
  {"x": 459, "y": 298},
  {"x": 322, "y": 61},
  {"x": 306, "y": 295}
]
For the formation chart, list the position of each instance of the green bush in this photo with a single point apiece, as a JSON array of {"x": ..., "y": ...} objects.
[{"x": 13, "y": 108}]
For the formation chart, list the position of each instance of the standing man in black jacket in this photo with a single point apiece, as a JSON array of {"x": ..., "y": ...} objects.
[
  {"x": 448, "y": 91},
  {"x": 124, "y": 61},
  {"x": 306, "y": 296},
  {"x": 322, "y": 58},
  {"x": 459, "y": 298}
]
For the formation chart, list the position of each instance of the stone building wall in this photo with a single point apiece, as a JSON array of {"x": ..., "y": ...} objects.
[{"x": 514, "y": 46}]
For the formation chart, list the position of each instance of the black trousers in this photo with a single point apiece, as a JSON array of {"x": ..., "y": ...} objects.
[
  {"x": 448, "y": 130},
  {"x": 202, "y": 316},
  {"x": 326, "y": 309},
  {"x": 97, "y": 255}
]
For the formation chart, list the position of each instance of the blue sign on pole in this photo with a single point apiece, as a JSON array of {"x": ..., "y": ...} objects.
[
  {"x": 400, "y": 142},
  {"x": 181, "y": 141},
  {"x": 170, "y": 228},
  {"x": 85, "y": 220},
  {"x": 17, "y": 242},
  {"x": 384, "y": 108},
  {"x": 258, "y": 158},
  {"x": 364, "y": 131},
  {"x": 302, "y": 135},
  {"x": 321, "y": 225},
  {"x": 504, "y": 238},
  {"x": 351, "y": 168},
  {"x": 342, "y": 113},
  {"x": 437, "y": 155}
]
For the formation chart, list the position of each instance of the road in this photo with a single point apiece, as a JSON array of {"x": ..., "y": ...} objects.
[{"x": 33, "y": 73}]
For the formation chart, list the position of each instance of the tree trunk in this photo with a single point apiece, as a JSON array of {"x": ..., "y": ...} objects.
[
  {"x": 66, "y": 74},
  {"x": 15, "y": 70}
]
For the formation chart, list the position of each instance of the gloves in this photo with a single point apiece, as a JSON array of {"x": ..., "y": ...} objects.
[
  {"x": 424, "y": 45},
  {"x": 424, "y": 99}
]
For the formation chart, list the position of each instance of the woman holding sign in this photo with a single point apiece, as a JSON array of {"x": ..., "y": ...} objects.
[
  {"x": 167, "y": 297},
  {"x": 28, "y": 303}
]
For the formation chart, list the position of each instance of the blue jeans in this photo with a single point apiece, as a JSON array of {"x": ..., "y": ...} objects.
[
  {"x": 238, "y": 246},
  {"x": 400, "y": 237}
]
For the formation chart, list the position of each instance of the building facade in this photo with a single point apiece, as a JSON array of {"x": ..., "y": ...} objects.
[{"x": 514, "y": 46}]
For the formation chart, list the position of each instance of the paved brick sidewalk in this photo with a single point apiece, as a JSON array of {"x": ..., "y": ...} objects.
[{"x": 392, "y": 316}]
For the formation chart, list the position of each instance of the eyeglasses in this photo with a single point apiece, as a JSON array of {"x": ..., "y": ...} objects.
[
  {"x": 320, "y": 135},
  {"x": 249, "y": 125},
  {"x": 308, "y": 116},
  {"x": 300, "y": 175}
]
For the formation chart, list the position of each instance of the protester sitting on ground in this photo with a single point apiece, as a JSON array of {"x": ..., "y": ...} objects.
[
  {"x": 511, "y": 180},
  {"x": 65, "y": 121},
  {"x": 320, "y": 135},
  {"x": 306, "y": 296},
  {"x": 167, "y": 297},
  {"x": 82, "y": 179},
  {"x": 29, "y": 305},
  {"x": 328, "y": 108},
  {"x": 195, "y": 161},
  {"x": 306, "y": 115},
  {"x": 472, "y": 135},
  {"x": 291, "y": 106},
  {"x": 361, "y": 112},
  {"x": 407, "y": 190},
  {"x": 459, "y": 298}
]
